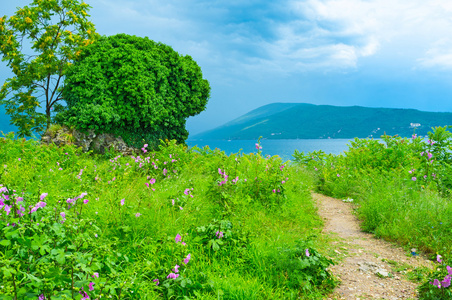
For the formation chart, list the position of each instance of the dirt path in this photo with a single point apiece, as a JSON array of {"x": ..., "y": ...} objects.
[{"x": 371, "y": 268}]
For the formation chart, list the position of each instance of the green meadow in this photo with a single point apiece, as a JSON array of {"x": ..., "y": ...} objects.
[
  {"x": 175, "y": 223},
  {"x": 191, "y": 223}
]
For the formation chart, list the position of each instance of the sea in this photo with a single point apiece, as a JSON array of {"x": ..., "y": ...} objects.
[{"x": 283, "y": 148}]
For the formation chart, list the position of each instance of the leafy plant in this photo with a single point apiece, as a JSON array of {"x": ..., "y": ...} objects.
[
  {"x": 135, "y": 88},
  {"x": 58, "y": 31}
]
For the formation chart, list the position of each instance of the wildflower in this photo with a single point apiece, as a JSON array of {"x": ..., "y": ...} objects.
[
  {"x": 414, "y": 136},
  {"x": 438, "y": 258},
  {"x": 429, "y": 155},
  {"x": 42, "y": 197},
  {"x": 436, "y": 283},
  {"x": 184, "y": 244},
  {"x": 91, "y": 286},
  {"x": 164, "y": 172},
  {"x": 63, "y": 215},
  {"x": 274, "y": 191},
  {"x": 425, "y": 176},
  {"x": 95, "y": 275},
  {"x": 258, "y": 147},
  {"x": 41, "y": 204},
  {"x": 281, "y": 167},
  {"x": 172, "y": 275},
  {"x": 446, "y": 282},
  {"x": 187, "y": 191},
  {"x": 85, "y": 201},
  {"x": 95, "y": 235},
  {"x": 122, "y": 201},
  {"x": 137, "y": 215},
  {"x": 413, "y": 178},
  {"x": 176, "y": 269},
  {"x": 19, "y": 159},
  {"x": 307, "y": 252},
  {"x": 422, "y": 153},
  {"x": 41, "y": 297},
  {"x": 147, "y": 184},
  {"x": 219, "y": 234},
  {"x": 449, "y": 270},
  {"x": 172, "y": 201},
  {"x": 181, "y": 208},
  {"x": 338, "y": 175},
  {"x": 157, "y": 282},
  {"x": 187, "y": 259},
  {"x": 178, "y": 238}
]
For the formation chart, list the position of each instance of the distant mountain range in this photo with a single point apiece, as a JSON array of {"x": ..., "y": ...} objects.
[{"x": 309, "y": 121}]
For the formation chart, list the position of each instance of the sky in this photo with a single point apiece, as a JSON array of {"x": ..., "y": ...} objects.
[{"x": 374, "y": 53}]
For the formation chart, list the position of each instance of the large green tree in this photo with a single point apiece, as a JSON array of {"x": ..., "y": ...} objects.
[
  {"x": 134, "y": 87},
  {"x": 39, "y": 43}
]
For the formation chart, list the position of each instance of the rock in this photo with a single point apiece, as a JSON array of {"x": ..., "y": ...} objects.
[
  {"x": 99, "y": 143},
  {"x": 382, "y": 273}
]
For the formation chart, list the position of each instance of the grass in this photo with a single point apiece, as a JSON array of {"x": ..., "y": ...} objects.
[{"x": 92, "y": 245}]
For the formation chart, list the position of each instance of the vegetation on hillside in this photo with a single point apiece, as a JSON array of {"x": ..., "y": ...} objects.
[{"x": 309, "y": 121}]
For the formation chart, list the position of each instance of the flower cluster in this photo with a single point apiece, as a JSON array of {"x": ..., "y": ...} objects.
[{"x": 445, "y": 282}]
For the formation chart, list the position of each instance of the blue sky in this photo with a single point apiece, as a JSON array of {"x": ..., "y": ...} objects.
[{"x": 376, "y": 53}]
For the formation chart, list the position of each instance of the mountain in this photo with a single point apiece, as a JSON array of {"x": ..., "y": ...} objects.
[{"x": 309, "y": 121}]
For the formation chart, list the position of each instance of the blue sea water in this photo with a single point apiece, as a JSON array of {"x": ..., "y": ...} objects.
[{"x": 283, "y": 148}]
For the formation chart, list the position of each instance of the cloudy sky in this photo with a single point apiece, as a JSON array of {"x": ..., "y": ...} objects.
[{"x": 376, "y": 53}]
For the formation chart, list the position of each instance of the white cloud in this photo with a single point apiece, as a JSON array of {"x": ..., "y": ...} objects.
[{"x": 408, "y": 28}]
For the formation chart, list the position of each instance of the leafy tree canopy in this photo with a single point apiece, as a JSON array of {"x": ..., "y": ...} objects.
[
  {"x": 134, "y": 87},
  {"x": 54, "y": 33}
]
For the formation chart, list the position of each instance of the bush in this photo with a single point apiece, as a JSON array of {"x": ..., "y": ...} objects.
[{"x": 135, "y": 88}]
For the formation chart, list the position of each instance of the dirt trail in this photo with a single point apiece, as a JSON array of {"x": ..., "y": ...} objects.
[{"x": 365, "y": 272}]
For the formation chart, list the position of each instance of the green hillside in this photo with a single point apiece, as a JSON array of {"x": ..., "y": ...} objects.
[{"x": 309, "y": 121}]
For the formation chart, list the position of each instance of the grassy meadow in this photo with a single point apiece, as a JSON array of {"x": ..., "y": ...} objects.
[{"x": 176, "y": 223}]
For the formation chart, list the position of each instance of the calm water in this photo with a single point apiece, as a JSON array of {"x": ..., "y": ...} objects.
[{"x": 283, "y": 148}]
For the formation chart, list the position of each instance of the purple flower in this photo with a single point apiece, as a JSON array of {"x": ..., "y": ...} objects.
[
  {"x": 41, "y": 204},
  {"x": 187, "y": 191},
  {"x": 19, "y": 159},
  {"x": 446, "y": 282},
  {"x": 157, "y": 282},
  {"x": 219, "y": 171},
  {"x": 281, "y": 167},
  {"x": 258, "y": 147},
  {"x": 85, "y": 201},
  {"x": 63, "y": 215},
  {"x": 91, "y": 286},
  {"x": 414, "y": 136},
  {"x": 274, "y": 191},
  {"x": 178, "y": 238},
  {"x": 122, "y": 201},
  {"x": 449, "y": 270},
  {"x": 438, "y": 258},
  {"x": 436, "y": 283},
  {"x": 307, "y": 252},
  {"x": 43, "y": 196},
  {"x": 137, "y": 215},
  {"x": 219, "y": 234},
  {"x": 429, "y": 155},
  {"x": 187, "y": 259},
  {"x": 338, "y": 175},
  {"x": 413, "y": 178},
  {"x": 172, "y": 275},
  {"x": 422, "y": 153},
  {"x": 176, "y": 269},
  {"x": 95, "y": 275},
  {"x": 152, "y": 181},
  {"x": 165, "y": 171},
  {"x": 41, "y": 297}
]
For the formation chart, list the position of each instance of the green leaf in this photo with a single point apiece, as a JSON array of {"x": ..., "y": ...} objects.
[{"x": 5, "y": 243}]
